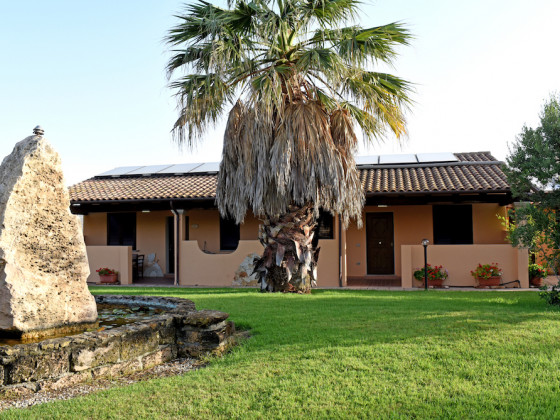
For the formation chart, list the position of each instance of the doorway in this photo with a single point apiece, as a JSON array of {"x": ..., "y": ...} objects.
[{"x": 380, "y": 243}]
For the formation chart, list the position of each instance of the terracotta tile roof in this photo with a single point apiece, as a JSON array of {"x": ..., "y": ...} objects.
[
  {"x": 475, "y": 172},
  {"x": 143, "y": 188}
]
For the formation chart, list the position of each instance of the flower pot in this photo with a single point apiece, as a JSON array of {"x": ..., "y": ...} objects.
[
  {"x": 432, "y": 283},
  {"x": 109, "y": 278},
  {"x": 435, "y": 283},
  {"x": 489, "y": 282},
  {"x": 536, "y": 281}
]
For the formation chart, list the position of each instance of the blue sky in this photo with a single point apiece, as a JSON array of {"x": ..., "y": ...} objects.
[{"x": 92, "y": 74}]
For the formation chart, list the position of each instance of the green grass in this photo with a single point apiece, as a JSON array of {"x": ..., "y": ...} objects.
[{"x": 355, "y": 354}]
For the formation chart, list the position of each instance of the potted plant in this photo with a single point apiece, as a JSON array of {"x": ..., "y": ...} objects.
[
  {"x": 487, "y": 275},
  {"x": 536, "y": 273},
  {"x": 436, "y": 275},
  {"x": 107, "y": 275}
]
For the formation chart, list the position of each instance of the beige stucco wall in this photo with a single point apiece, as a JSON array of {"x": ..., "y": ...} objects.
[
  {"x": 414, "y": 223},
  {"x": 329, "y": 260},
  {"x": 151, "y": 235},
  {"x": 459, "y": 260},
  {"x": 117, "y": 258},
  {"x": 204, "y": 227},
  {"x": 487, "y": 228},
  {"x": 411, "y": 225},
  {"x": 198, "y": 268},
  {"x": 95, "y": 229}
]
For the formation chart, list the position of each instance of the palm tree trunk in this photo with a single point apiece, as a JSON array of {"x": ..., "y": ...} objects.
[{"x": 289, "y": 261}]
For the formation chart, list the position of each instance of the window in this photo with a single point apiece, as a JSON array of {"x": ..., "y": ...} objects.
[
  {"x": 121, "y": 229},
  {"x": 324, "y": 228},
  {"x": 187, "y": 228},
  {"x": 229, "y": 234},
  {"x": 453, "y": 225}
]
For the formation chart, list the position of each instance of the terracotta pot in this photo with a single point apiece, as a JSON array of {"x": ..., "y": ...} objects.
[
  {"x": 536, "y": 281},
  {"x": 109, "y": 278},
  {"x": 490, "y": 282},
  {"x": 432, "y": 283},
  {"x": 435, "y": 283}
]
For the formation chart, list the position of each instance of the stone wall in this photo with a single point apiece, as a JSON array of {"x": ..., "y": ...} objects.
[{"x": 180, "y": 331}]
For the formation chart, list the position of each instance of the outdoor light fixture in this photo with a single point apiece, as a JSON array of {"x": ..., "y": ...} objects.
[
  {"x": 194, "y": 226},
  {"x": 145, "y": 211},
  {"x": 425, "y": 244}
]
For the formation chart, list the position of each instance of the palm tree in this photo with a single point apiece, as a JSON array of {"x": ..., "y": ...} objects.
[{"x": 296, "y": 78}]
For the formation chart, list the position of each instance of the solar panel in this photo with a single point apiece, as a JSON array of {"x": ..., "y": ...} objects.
[
  {"x": 436, "y": 157},
  {"x": 122, "y": 170},
  {"x": 208, "y": 167},
  {"x": 403, "y": 158},
  {"x": 367, "y": 160},
  {"x": 180, "y": 168},
  {"x": 148, "y": 170}
]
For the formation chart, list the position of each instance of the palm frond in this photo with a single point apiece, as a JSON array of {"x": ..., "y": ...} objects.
[{"x": 294, "y": 74}]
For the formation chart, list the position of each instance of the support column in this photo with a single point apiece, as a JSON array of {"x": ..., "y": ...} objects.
[
  {"x": 523, "y": 267},
  {"x": 406, "y": 266}
]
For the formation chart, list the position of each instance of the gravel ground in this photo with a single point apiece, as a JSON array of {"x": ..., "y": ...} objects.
[{"x": 28, "y": 397}]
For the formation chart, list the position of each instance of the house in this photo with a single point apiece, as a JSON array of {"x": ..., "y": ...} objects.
[{"x": 453, "y": 200}]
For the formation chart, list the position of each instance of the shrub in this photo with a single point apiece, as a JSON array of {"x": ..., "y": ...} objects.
[
  {"x": 552, "y": 296},
  {"x": 536, "y": 270}
]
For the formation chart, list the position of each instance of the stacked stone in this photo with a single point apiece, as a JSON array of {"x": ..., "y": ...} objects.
[{"x": 179, "y": 332}]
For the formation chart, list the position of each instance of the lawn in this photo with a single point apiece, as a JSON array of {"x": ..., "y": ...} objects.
[{"x": 355, "y": 354}]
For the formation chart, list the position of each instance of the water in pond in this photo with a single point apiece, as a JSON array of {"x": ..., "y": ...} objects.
[{"x": 109, "y": 316}]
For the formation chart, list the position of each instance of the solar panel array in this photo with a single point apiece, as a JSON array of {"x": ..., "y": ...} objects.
[
  {"x": 408, "y": 158},
  {"x": 177, "y": 169},
  {"x": 213, "y": 167}
]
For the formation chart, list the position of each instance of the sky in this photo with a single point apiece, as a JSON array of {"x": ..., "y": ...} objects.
[{"x": 92, "y": 74}]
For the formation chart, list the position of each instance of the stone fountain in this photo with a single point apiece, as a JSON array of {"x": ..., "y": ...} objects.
[
  {"x": 43, "y": 291},
  {"x": 43, "y": 260}
]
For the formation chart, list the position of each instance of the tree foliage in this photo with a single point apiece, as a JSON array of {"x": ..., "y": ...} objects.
[
  {"x": 296, "y": 77},
  {"x": 533, "y": 172}
]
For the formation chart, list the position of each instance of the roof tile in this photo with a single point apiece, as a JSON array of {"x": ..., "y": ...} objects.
[{"x": 475, "y": 172}]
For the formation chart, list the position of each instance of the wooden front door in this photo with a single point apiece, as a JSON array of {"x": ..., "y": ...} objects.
[{"x": 380, "y": 247}]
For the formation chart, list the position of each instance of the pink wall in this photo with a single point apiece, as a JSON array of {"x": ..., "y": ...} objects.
[
  {"x": 414, "y": 223},
  {"x": 411, "y": 225},
  {"x": 198, "y": 268},
  {"x": 117, "y": 258},
  {"x": 95, "y": 229},
  {"x": 151, "y": 235},
  {"x": 204, "y": 227},
  {"x": 459, "y": 260}
]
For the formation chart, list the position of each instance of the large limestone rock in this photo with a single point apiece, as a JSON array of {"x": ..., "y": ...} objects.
[
  {"x": 244, "y": 275},
  {"x": 43, "y": 261}
]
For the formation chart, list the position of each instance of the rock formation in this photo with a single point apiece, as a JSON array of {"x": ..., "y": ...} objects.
[
  {"x": 244, "y": 275},
  {"x": 43, "y": 261}
]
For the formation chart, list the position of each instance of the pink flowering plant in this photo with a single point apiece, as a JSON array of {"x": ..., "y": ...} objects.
[
  {"x": 106, "y": 271},
  {"x": 436, "y": 272},
  {"x": 485, "y": 271}
]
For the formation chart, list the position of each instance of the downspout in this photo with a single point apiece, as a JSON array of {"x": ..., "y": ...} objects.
[
  {"x": 177, "y": 214},
  {"x": 340, "y": 265}
]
